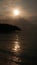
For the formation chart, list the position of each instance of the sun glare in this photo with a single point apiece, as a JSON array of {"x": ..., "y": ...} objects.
[{"x": 16, "y": 12}]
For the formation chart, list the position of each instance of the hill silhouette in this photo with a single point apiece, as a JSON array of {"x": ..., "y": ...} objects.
[{"x": 6, "y": 28}]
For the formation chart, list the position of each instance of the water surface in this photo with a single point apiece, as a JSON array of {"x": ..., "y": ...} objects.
[{"x": 18, "y": 48}]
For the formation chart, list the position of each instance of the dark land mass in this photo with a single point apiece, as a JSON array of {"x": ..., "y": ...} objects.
[{"x": 7, "y": 28}]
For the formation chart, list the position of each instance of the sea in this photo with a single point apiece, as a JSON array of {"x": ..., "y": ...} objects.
[{"x": 18, "y": 48}]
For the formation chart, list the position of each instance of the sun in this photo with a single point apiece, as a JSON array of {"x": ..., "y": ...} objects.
[{"x": 16, "y": 12}]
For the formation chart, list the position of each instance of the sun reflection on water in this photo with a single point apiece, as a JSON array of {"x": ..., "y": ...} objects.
[{"x": 16, "y": 47}]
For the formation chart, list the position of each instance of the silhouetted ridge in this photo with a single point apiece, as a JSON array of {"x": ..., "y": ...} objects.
[{"x": 8, "y": 28}]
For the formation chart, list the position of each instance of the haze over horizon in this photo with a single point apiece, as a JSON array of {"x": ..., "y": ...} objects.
[{"x": 26, "y": 7}]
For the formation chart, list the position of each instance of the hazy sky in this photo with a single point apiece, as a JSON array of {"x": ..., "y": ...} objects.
[{"x": 28, "y": 7}]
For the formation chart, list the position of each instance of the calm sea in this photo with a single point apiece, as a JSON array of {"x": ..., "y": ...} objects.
[{"x": 18, "y": 48}]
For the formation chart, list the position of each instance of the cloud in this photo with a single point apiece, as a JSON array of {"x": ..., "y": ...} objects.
[{"x": 5, "y": 6}]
